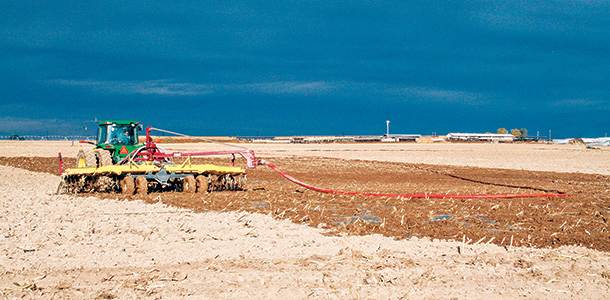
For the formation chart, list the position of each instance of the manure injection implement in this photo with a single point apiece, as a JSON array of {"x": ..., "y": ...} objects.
[{"x": 119, "y": 164}]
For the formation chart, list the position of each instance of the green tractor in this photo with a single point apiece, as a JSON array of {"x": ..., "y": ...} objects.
[{"x": 115, "y": 140}]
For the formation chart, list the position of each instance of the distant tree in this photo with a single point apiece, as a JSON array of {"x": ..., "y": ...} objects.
[
  {"x": 523, "y": 132},
  {"x": 502, "y": 131},
  {"x": 516, "y": 132}
]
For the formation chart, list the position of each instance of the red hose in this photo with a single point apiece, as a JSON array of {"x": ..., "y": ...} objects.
[{"x": 489, "y": 196}]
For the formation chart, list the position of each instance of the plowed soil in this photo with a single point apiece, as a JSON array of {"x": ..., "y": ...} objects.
[{"x": 582, "y": 218}]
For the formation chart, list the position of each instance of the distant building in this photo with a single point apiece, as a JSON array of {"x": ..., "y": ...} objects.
[
  {"x": 602, "y": 141},
  {"x": 400, "y": 137},
  {"x": 482, "y": 137},
  {"x": 339, "y": 139},
  {"x": 367, "y": 138},
  {"x": 386, "y": 139}
]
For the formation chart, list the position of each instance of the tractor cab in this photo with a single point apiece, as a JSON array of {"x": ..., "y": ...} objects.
[{"x": 118, "y": 137}]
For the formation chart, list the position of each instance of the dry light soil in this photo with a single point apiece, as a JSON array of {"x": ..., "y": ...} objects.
[{"x": 279, "y": 240}]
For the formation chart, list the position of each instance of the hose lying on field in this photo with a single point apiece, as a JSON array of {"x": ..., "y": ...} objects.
[
  {"x": 524, "y": 187},
  {"x": 488, "y": 196}
]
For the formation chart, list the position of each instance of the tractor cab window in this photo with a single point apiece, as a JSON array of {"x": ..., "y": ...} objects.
[{"x": 117, "y": 135}]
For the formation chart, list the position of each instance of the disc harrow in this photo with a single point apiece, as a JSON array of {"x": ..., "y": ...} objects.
[{"x": 149, "y": 168}]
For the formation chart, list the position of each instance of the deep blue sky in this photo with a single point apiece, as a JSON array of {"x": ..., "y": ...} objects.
[{"x": 307, "y": 67}]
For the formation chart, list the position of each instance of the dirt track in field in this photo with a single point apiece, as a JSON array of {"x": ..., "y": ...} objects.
[{"x": 582, "y": 218}]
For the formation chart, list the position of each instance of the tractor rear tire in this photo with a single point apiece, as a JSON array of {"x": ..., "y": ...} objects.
[
  {"x": 202, "y": 184},
  {"x": 85, "y": 159},
  {"x": 103, "y": 158},
  {"x": 141, "y": 185},
  {"x": 127, "y": 186},
  {"x": 189, "y": 185}
]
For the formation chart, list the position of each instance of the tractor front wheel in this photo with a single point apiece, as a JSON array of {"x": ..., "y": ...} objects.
[{"x": 103, "y": 158}]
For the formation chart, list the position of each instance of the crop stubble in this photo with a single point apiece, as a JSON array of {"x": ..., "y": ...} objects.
[{"x": 582, "y": 218}]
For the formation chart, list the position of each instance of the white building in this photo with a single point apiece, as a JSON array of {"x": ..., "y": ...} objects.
[{"x": 489, "y": 137}]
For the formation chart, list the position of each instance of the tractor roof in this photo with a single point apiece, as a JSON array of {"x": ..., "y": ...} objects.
[{"x": 117, "y": 122}]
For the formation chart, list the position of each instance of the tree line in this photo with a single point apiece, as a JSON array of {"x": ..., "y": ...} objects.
[{"x": 518, "y": 133}]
